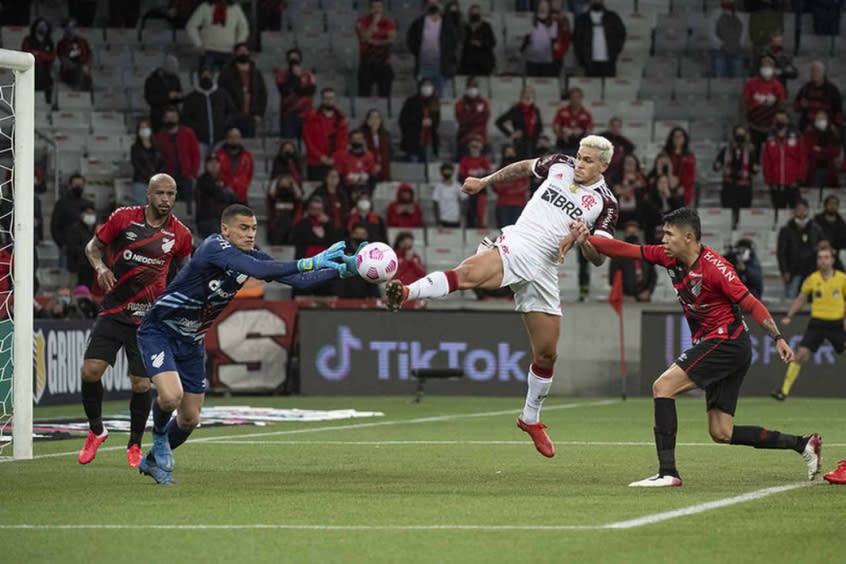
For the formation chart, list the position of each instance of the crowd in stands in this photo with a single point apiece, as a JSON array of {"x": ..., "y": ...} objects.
[{"x": 324, "y": 176}]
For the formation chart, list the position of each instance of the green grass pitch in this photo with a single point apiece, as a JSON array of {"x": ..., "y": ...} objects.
[{"x": 448, "y": 480}]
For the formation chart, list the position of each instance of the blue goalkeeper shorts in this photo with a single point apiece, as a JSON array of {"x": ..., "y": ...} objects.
[{"x": 164, "y": 352}]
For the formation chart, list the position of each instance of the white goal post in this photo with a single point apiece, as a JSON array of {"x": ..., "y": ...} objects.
[{"x": 23, "y": 66}]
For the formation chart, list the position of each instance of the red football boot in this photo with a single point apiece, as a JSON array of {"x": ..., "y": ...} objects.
[
  {"x": 838, "y": 475},
  {"x": 133, "y": 456},
  {"x": 92, "y": 443},
  {"x": 539, "y": 437}
]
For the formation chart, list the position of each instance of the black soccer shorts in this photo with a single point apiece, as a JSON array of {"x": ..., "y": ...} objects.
[
  {"x": 718, "y": 366},
  {"x": 106, "y": 339},
  {"x": 820, "y": 330}
]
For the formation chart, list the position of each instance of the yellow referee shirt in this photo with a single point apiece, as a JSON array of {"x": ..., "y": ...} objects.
[{"x": 827, "y": 295}]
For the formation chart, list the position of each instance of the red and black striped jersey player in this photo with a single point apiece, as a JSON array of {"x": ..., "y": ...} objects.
[
  {"x": 131, "y": 253},
  {"x": 712, "y": 298}
]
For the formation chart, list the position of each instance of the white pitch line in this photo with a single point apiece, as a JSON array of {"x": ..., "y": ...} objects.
[
  {"x": 435, "y": 419},
  {"x": 628, "y": 524},
  {"x": 211, "y": 441}
]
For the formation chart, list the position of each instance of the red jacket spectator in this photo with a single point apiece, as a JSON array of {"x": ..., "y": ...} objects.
[
  {"x": 571, "y": 124},
  {"x": 822, "y": 149},
  {"x": 410, "y": 268},
  {"x": 404, "y": 211},
  {"x": 763, "y": 98},
  {"x": 472, "y": 115},
  {"x": 295, "y": 91},
  {"x": 324, "y": 133},
  {"x": 184, "y": 145},
  {"x": 783, "y": 160},
  {"x": 473, "y": 166},
  {"x": 379, "y": 143},
  {"x": 236, "y": 170},
  {"x": 75, "y": 48},
  {"x": 358, "y": 171},
  {"x": 513, "y": 193},
  {"x": 684, "y": 166}
]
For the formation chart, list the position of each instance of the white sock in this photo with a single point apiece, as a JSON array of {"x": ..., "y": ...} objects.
[
  {"x": 433, "y": 285},
  {"x": 538, "y": 390}
]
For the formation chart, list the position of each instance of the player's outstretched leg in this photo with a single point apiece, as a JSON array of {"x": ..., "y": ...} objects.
[
  {"x": 809, "y": 446},
  {"x": 92, "y": 403},
  {"x": 434, "y": 285}
]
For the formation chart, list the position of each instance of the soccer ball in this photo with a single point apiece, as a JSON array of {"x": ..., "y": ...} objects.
[{"x": 377, "y": 262}]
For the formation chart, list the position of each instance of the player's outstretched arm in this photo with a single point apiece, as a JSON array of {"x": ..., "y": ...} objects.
[
  {"x": 762, "y": 317},
  {"x": 315, "y": 277},
  {"x": 95, "y": 250},
  {"x": 520, "y": 169},
  {"x": 797, "y": 304},
  {"x": 228, "y": 257},
  {"x": 615, "y": 248}
]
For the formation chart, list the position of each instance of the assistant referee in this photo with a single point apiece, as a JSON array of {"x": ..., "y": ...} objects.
[{"x": 826, "y": 288}]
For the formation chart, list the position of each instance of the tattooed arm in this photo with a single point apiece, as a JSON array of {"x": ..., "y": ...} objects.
[
  {"x": 94, "y": 250},
  {"x": 762, "y": 316},
  {"x": 520, "y": 169}
]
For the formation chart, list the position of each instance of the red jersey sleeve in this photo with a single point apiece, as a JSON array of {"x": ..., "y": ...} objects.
[
  {"x": 726, "y": 279},
  {"x": 654, "y": 254},
  {"x": 542, "y": 165},
  {"x": 185, "y": 242},
  {"x": 116, "y": 223}
]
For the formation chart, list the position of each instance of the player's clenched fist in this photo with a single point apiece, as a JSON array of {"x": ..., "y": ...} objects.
[{"x": 473, "y": 185}]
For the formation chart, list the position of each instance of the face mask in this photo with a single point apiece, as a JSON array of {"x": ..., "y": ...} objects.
[
  {"x": 66, "y": 300},
  {"x": 171, "y": 124},
  {"x": 242, "y": 58},
  {"x": 433, "y": 9},
  {"x": 745, "y": 255},
  {"x": 800, "y": 222},
  {"x": 41, "y": 30},
  {"x": 231, "y": 147},
  {"x": 293, "y": 62},
  {"x": 767, "y": 72},
  {"x": 739, "y": 139},
  {"x": 327, "y": 107},
  {"x": 427, "y": 91},
  {"x": 89, "y": 219},
  {"x": 475, "y": 18},
  {"x": 356, "y": 147},
  {"x": 206, "y": 82},
  {"x": 472, "y": 92},
  {"x": 780, "y": 126},
  {"x": 76, "y": 189},
  {"x": 363, "y": 206},
  {"x": 821, "y": 124},
  {"x": 288, "y": 154}
]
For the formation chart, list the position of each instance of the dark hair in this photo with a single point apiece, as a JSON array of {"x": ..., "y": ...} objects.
[
  {"x": 574, "y": 90},
  {"x": 325, "y": 90},
  {"x": 801, "y": 202},
  {"x": 359, "y": 225},
  {"x": 829, "y": 198},
  {"x": 668, "y": 146},
  {"x": 685, "y": 217},
  {"x": 74, "y": 176},
  {"x": 450, "y": 166},
  {"x": 212, "y": 157},
  {"x": 293, "y": 51},
  {"x": 241, "y": 44},
  {"x": 233, "y": 210},
  {"x": 401, "y": 236},
  {"x": 87, "y": 205},
  {"x": 824, "y": 245},
  {"x": 170, "y": 108}
]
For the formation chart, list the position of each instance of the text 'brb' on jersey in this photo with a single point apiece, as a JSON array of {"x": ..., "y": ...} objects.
[
  {"x": 559, "y": 202},
  {"x": 201, "y": 290},
  {"x": 709, "y": 292},
  {"x": 139, "y": 255}
]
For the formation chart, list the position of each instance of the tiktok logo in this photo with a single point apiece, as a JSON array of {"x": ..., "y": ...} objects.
[{"x": 333, "y": 362}]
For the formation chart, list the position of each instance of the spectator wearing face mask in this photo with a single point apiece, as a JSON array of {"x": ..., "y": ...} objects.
[
  {"x": 477, "y": 165},
  {"x": 67, "y": 210},
  {"x": 817, "y": 94},
  {"x": 822, "y": 146},
  {"x": 284, "y": 205},
  {"x": 433, "y": 40},
  {"x": 296, "y": 89},
  {"x": 163, "y": 89},
  {"x": 638, "y": 276},
  {"x": 472, "y": 112},
  {"x": 630, "y": 190},
  {"x": 79, "y": 234},
  {"x": 784, "y": 69},
  {"x": 356, "y": 287},
  {"x": 410, "y": 267},
  {"x": 241, "y": 79},
  {"x": 447, "y": 197},
  {"x": 60, "y": 306},
  {"x": 419, "y": 121},
  {"x": 783, "y": 163},
  {"x": 147, "y": 160},
  {"x": 213, "y": 195},
  {"x": 477, "y": 55},
  {"x": 357, "y": 167},
  {"x": 325, "y": 132},
  {"x": 745, "y": 261},
  {"x": 287, "y": 160},
  {"x": 763, "y": 96},
  {"x": 216, "y": 26},
  {"x": 796, "y": 250},
  {"x": 376, "y": 34},
  {"x": 378, "y": 141},
  {"x": 207, "y": 109},
  {"x": 74, "y": 55},
  {"x": 511, "y": 195},
  {"x": 598, "y": 38},
  {"x": 181, "y": 152},
  {"x": 738, "y": 164},
  {"x": 522, "y": 124},
  {"x": 363, "y": 213},
  {"x": 236, "y": 164},
  {"x": 40, "y": 44},
  {"x": 83, "y": 300},
  {"x": 833, "y": 227},
  {"x": 334, "y": 199},
  {"x": 404, "y": 211}
]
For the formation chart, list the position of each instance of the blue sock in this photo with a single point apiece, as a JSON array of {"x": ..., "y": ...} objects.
[
  {"x": 176, "y": 435},
  {"x": 160, "y": 418}
]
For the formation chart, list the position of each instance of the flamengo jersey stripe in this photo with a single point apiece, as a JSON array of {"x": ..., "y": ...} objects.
[
  {"x": 827, "y": 296},
  {"x": 140, "y": 256}
]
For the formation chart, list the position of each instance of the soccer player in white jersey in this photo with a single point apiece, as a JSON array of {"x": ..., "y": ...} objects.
[{"x": 526, "y": 257}]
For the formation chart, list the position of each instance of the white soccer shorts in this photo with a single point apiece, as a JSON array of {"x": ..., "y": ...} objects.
[{"x": 531, "y": 274}]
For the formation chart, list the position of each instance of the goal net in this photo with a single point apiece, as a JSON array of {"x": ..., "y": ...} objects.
[{"x": 16, "y": 251}]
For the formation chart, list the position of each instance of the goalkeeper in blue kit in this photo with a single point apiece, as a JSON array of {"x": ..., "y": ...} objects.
[{"x": 171, "y": 337}]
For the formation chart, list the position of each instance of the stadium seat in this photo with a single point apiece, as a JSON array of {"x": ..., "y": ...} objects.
[
  {"x": 107, "y": 145},
  {"x": 447, "y": 238},
  {"x": 279, "y": 41},
  {"x": 590, "y": 87},
  {"x": 548, "y": 108},
  {"x": 67, "y": 121},
  {"x": 670, "y": 34},
  {"x": 113, "y": 100},
  {"x": 620, "y": 90},
  {"x": 636, "y": 110},
  {"x": 601, "y": 114},
  {"x": 506, "y": 88},
  {"x": 657, "y": 89},
  {"x": 715, "y": 219},
  {"x": 410, "y": 172},
  {"x": 756, "y": 219},
  {"x": 74, "y": 101},
  {"x": 725, "y": 87},
  {"x": 12, "y": 36},
  {"x": 546, "y": 88},
  {"x": 662, "y": 66},
  {"x": 816, "y": 45},
  {"x": 147, "y": 61},
  {"x": 107, "y": 122},
  {"x": 690, "y": 67},
  {"x": 691, "y": 87},
  {"x": 134, "y": 77},
  {"x": 442, "y": 258},
  {"x": 709, "y": 127}
]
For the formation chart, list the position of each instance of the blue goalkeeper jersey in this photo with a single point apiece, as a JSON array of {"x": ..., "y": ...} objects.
[{"x": 203, "y": 288}]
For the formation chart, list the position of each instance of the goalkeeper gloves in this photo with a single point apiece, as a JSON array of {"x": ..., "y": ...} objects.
[
  {"x": 350, "y": 262},
  {"x": 330, "y": 258}
]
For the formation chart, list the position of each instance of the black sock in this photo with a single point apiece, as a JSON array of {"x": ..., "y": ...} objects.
[
  {"x": 758, "y": 437},
  {"x": 666, "y": 425},
  {"x": 139, "y": 411},
  {"x": 92, "y": 402},
  {"x": 160, "y": 419},
  {"x": 176, "y": 435}
]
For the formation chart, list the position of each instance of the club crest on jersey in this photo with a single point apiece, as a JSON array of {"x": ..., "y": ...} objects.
[
  {"x": 131, "y": 235},
  {"x": 588, "y": 201},
  {"x": 560, "y": 201},
  {"x": 167, "y": 245}
]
